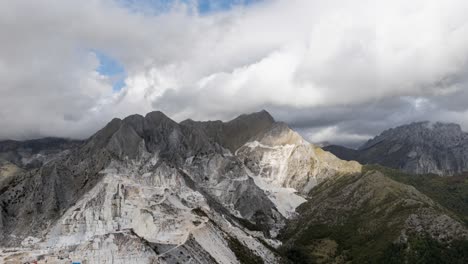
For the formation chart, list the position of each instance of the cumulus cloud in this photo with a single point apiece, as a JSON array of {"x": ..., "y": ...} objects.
[{"x": 338, "y": 71}]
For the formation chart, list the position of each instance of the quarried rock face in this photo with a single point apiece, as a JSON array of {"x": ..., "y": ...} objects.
[
  {"x": 166, "y": 190},
  {"x": 146, "y": 189},
  {"x": 282, "y": 163}
]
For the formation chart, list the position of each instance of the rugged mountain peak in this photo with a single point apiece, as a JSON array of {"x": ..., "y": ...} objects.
[
  {"x": 421, "y": 147},
  {"x": 235, "y": 133},
  {"x": 153, "y": 133},
  {"x": 261, "y": 116},
  {"x": 145, "y": 189},
  {"x": 442, "y": 134},
  {"x": 280, "y": 134},
  {"x": 158, "y": 117},
  {"x": 283, "y": 163},
  {"x": 145, "y": 178}
]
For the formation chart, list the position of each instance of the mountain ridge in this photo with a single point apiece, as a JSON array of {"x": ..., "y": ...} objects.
[
  {"x": 420, "y": 147},
  {"x": 146, "y": 189}
]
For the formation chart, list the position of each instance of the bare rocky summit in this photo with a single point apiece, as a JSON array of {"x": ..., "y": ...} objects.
[
  {"x": 146, "y": 189},
  {"x": 420, "y": 148},
  {"x": 148, "y": 181}
]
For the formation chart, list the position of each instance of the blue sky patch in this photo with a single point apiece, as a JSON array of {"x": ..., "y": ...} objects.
[
  {"x": 111, "y": 68},
  {"x": 204, "y": 6}
]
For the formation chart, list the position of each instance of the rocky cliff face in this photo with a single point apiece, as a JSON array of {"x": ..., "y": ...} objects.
[
  {"x": 281, "y": 162},
  {"x": 419, "y": 148},
  {"x": 171, "y": 191},
  {"x": 146, "y": 189},
  {"x": 235, "y": 133},
  {"x": 148, "y": 181}
]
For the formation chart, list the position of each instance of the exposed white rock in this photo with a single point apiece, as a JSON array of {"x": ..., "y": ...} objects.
[
  {"x": 132, "y": 206},
  {"x": 30, "y": 241},
  {"x": 150, "y": 190},
  {"x": 169, "y": 194},
  {"x": 287, "y": 167},
  {"x": 285, "y": 199}
]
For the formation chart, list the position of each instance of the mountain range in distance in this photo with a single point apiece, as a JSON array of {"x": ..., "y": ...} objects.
[
  {"x": 146, "y": 189},
  {"x": 419, "y": 148}
]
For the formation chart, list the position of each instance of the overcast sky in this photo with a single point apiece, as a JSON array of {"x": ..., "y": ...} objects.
[{"x": 337, "y": 71}]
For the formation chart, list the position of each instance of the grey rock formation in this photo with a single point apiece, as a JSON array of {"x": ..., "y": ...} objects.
[
  {"x": 419, "y": 148},
  {"x": 235, "y": 133},
  {"x": 145, "y": 189},
  {"x": 34, "y": 153},
  {"x": 148, "y": 177}
]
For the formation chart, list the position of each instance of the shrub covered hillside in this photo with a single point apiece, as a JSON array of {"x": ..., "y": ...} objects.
[
  {"x": 378, "y": 217},
  {"x": 451, "y": 192}
]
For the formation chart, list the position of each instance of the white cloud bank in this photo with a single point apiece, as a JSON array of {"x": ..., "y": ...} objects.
[{"x": 347, "y": 67}]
